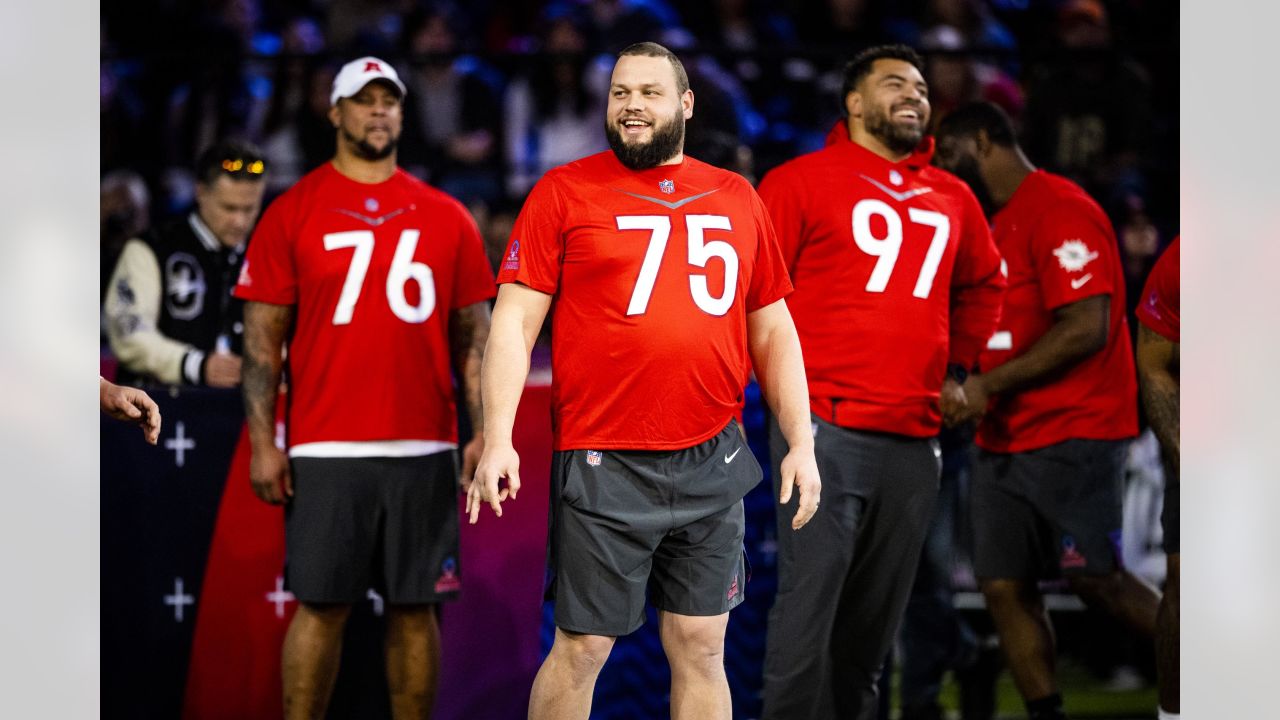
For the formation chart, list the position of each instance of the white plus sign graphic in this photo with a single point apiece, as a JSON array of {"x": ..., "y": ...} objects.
[
  {"x": 178, "y": 600},
  {"x": 377, "y": 601},
  {"x": 180, "y": 443},
  {"x": 280, "y": 596}
]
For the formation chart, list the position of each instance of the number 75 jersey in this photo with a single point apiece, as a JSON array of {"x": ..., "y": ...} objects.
[
  {"x": 895, "y": 275},
  {"x": 374, "y": 271},
  {"x": 652, "y": 274}
]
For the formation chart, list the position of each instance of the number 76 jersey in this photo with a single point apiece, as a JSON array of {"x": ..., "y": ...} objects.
[
  {"x": 652, "y": 274},
  {"x": 373, "y": 271}
]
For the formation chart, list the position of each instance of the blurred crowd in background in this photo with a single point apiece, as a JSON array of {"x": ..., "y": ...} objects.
[{"x": 500, "y": 91}]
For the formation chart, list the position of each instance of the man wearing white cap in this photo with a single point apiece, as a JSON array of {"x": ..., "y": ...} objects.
[{"x": 377, "y": 283}]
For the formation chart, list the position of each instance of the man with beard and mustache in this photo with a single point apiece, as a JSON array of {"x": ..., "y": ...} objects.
[
  {"x": 377, "y": 282},
  {"x": 668, "y": 285},
  {"x": 897, "y": 286},
  {"x": 1056, "y": 400}
]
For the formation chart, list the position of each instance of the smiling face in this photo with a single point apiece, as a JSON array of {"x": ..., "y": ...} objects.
[
  {"x": 369, "y": 122},
  {"x": 892, "y": 104},
  {"x": 645, "y": 118}
]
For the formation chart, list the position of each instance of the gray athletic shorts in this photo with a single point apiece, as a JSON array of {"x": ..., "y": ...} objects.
[
  {"x": 390, "y": 524},
  {"x": 626, "y": 522},
  {"x": 1048, "y": 512}
]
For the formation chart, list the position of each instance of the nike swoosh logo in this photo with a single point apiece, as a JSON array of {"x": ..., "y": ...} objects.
[
  {"x": 899, "y": 196},
  {"x": 670, "y": 205},
  {"x": 1079, "y": 282},
  {"x": 729, "y": 458},
  {"x": 374, "y": 221}
]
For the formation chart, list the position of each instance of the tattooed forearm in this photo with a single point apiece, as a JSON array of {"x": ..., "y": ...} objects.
[
  {"x": 265, "y": 327},
  {"x": 1158, "y": 360},
  {"x": 468, "y": 333}
]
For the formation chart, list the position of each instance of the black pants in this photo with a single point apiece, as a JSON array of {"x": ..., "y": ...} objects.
[{"x": 844, "y": 578}]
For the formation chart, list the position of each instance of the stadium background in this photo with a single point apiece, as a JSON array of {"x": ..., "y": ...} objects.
[{"x": 1093, "y": 85}]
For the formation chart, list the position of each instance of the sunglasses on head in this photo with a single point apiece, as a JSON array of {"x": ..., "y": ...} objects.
[{"x": 236, "y": 166}]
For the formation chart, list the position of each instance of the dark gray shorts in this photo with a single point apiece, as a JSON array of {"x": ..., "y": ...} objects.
[
  {"x": 390, "y": 524},
  {"x": 623, "y": 523},
  {"x": 1048, "y": 512}
]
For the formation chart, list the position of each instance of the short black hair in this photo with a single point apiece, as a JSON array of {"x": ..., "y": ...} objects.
[
  {"x": 653, "y": 49},
  {"x": 232, "y": 156},
  {"x": 967, "y": 120},
  {"x": 860, "y": 66}
]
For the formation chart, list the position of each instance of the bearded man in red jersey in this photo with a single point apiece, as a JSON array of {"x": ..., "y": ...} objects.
[
  {"x": 667, "y": 286},
  {"x": 377, "y": 282},
  {"x": 897, "y": 285}
]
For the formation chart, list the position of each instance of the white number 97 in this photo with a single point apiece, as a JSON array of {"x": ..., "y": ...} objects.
[{"x": 885, "y": 249}]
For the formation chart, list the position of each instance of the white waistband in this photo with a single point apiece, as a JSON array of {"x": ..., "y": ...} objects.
[{"x": 371, "y": 448}]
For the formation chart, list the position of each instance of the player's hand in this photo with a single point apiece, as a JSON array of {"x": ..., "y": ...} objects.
[
  {"x": 976, "y": 399},
  {"x": 471, "y": 454},
  {"x": 800, "y": 470},
  {"x": 130, "y": 404},
  {"x": 222, "y": 370},
  {"x": 496, "y": 463},
  {"x": 953, "y": 402},
  {"x": 269, "y": 475}
]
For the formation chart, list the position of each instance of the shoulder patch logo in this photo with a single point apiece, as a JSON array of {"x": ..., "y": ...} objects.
[
  {"x": 513, "y": 257},
  {"x": 667, "y": 186},
  {"x": 1073, "y": 255}
]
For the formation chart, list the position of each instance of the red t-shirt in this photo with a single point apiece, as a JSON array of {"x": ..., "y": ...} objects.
[
  {"x": 1161, "y": 296},
  {"x": 895, "y": 273},
  {"x": 1060, "y": 248},
  {"x": 653, "y": 273},
  {"x": 374, "y": 270}
]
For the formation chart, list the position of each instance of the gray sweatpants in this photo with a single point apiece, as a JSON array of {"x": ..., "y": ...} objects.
[{"x": 844, "y": 578}]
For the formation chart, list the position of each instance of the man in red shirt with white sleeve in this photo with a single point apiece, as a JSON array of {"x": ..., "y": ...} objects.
[
  {"x": 897, "y": 281},
  {"x": 377, "y": 282},
  {"x": 1159, "y": 370},
  {"x": 667, "y": 285},
  {"x": 1059, "y": 395}
]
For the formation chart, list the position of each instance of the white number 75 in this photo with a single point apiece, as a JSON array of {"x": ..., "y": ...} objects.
[{"x": 700, "y": 252}]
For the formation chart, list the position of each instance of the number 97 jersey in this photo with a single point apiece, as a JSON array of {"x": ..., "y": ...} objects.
[
  {"x": 653, "y": 274},
  {"x": 374, "y": 271}
]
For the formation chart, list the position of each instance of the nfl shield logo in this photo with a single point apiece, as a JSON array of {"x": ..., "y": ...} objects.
[
  {"x": 667, "y": 186},
  {"x": 593, "y": 457}
]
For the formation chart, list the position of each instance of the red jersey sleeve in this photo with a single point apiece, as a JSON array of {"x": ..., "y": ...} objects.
[
  {"x": 536, "y": 251},
  {"x": 269, "y": 274},
  {"x": 977, "y": 286},
  {"x": 473, "y": 280},
  {"x": 784, "y": 200},
  {"x": 1070, "y": 255},
  {"x": 1160, "y": 307},
  {"x": 769, "y": 279}
]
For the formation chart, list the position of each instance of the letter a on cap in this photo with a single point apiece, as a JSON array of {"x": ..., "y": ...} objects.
[{"x": 372, "y": 66}]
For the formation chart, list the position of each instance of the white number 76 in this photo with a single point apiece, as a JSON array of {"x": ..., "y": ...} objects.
[{"x": 403, "y": 269}]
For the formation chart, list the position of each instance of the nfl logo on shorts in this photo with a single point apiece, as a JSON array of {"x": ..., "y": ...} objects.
[{"x": 593, "y": 457}]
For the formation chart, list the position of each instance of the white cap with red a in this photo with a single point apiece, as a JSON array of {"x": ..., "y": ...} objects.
[{"x": 356, "y": 74}]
